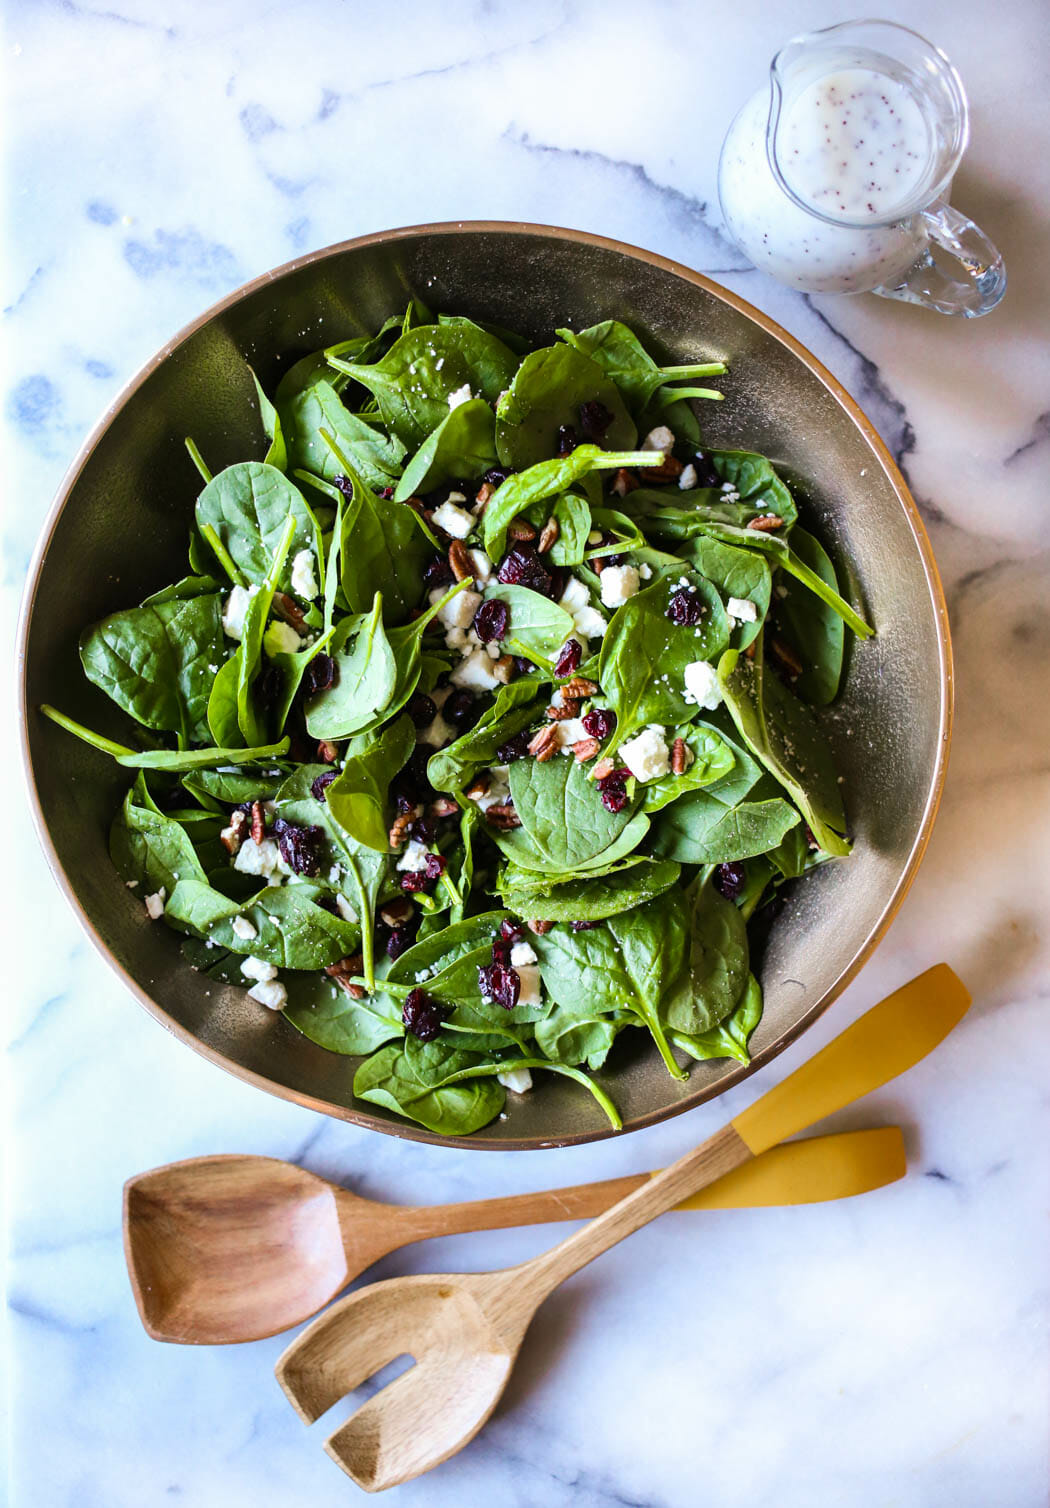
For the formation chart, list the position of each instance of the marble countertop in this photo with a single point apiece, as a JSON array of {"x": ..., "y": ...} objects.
[{"x": 888, "y": 1350}]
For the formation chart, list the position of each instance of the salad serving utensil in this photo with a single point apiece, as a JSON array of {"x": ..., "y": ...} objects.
[
  {"x": 237, "y": 1248},
  {"x": 464, "y": 1330}
]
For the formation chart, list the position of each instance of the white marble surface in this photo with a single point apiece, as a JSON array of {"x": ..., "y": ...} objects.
[{"x": 892, "y": 1350}]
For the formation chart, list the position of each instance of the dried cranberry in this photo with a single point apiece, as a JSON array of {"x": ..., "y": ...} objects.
[
  {"x": 515, "y": 748},
  {"x": 384, "y": 492},
  {"x": 512, "y": 931},
  {"x": 600, "y": 722},
  {"x": 613, "y": 789},
  {"x": 267, "y": 686},
  {"x": 300, "y": 847},
  {"x": 492, "y": 620},
  {"x": 567, "y": 440},
  {"x": 423, "y": 829},
  {"x": 497, "y": 475},
  {"x": 461, "y": 710},
  {"x": 684, "y": 608},
  {"x": 523, "y": 665},
  {"x": 345, "y": 485},
  {"x": 320, "y": 674},
  {"x": 423, "y": 1015},
  {"x": 438, "y": 572},
  {"x": 729, "y": 879},
  {"x": 400, "y": 938},
  {"x": 521, "y": 566},
  {"x": 706, "y": 475},
  {"x": 569, "y": 656},
  {"x": 595, "y": 419},
  {"x": 421, "y": 710},
  {"x": 501, "y": 947},
  {"x": 321, "y": 784},
  {"x": 581, "y": 926},
  {"x": 414, "y": 880},
  {"x": 404, "y": 804},
  {"x": 436, "y": 866},
  {"x": 501, "y": 984}
]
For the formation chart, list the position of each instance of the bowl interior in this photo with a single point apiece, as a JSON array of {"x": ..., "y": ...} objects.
[{"x": 120, "y": 527}]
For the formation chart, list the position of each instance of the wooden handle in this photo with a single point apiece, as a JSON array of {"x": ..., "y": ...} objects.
[{"x": 582, "y": 1202}]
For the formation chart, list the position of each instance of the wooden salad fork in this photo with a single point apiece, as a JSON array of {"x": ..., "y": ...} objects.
[
  {"x": 236, "y": 1248},
  {"x": 464, "y": 1330}
]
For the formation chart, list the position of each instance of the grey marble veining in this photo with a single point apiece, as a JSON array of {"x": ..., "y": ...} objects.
[{"x": 889, "y": 1350}]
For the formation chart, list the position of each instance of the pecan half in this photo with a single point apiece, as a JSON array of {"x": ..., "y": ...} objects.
[
  {"x": 544, "y": 745},
  {"x": 539, "y": 928},
  {"x": 679, "y": 757},
  {"x": 396, "y": 912},
  {"x": 785, "y": 656},
  {"x": 504, "y": 668},
  {"x": 602, "y": 768},
  {"x": 624, "y": 482},
  {"x": 503, "y": 816},
  {"x": 327, "y": 751},
  {"x": 548, "y": 535},
  {"x": 233, "y": 836},
  {"x": 289, "y": 611},
  {"x": 460, "y": 561},
  {"x": 485, "y": 491},
  {"x": 258, "y": 822},
  {"x": 586, "y": 748},
  {"x": 401, "y": 824},
  {"x": 561, "y": 714},
  {"x": 478, "y": 786},
  {"x": 444, "y": 806},
  {"x": 669, "y": 470},
  {"x": 521, "y": 530},
  {"x": 340, "y": 974},
  {"x": 766, "y": 523},
  {"x": 579, "y": 687}
]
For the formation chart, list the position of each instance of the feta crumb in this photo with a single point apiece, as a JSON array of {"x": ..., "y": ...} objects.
[
  {"x": 701, "y": 685},
  {"x": 474, "y": 672},
  {"x": 258, "y": 968},
  {"x": 454, "y": 520},
  {"x": 233, "y": 611},
  {"x": 271, "y": 993},
  {"x": 498, "y": 793},
  {"x": 346, "y": 911},
  {"x": 414, "y": 857},
  {"x": 304, "y": 576},
  {"x": 647, "y": 755},
  {"x": 589, "y": 622},
  {"x": 618, "y": 583},
  {"x": 257, "y": 858},
  {"x": 688, "y": 477},
  {"x": 781, "y": 592},
  {"x": 575, "y": 595},
  {"x": 659, "y": 438},
  {"x": 155, "y": 904},
  {"x": 482, "y": 565},
  {"x": 459, "y": 612},
  {"x": 333, "y": 875},
  {"x": 521, "y": 953},
  {"x": 132, "y": 884},
  {"x": 461, "y": 395},
  {"x": 645, "y": 571},
  {"x": 570, "y": 731},
  {"x": 529, "y": 993},
  {"x": 281, "y": 639},
  {"x": 517, "y": 1080},
  {"x": 742, "y": 609},
  {"x": 243, "y": 928}
]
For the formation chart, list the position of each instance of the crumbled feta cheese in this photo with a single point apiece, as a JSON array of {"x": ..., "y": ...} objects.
[
  {"x": 570, "y": 731},
  {"x": 271, "y": 993},
  {"x": 517, "y": 1080},
  {"x": 453, "y": 519},
  {"x": 498, "y": 793},
  {"x": 132, "y": 884},
  {"x": 438, "y": 732},
  {"x": 659, "y": 438},
  {"x": 456, "y": 497},
  {"x": 618, "y": 583},
  {"x": 258, "y": 968},
  {"x": 257, "y": 858},
  {"x": 521, "y": 953},
  {"x": 234, "y": 609},
  {"x": 346, "y": 911},
  {"x": 482, "y": 566},
  {"x": 281, "y": 639},
  {"x": 304, "y": 576},
  {"x": 243, "y": 928},
  {"x": 575, "y": 595},
  {"x": 701, "y": 685},
  {"x": 155, "y": 904},
  {"x": 414, "y": 857},
  {"x": 461, "y": 395},
  {"x": 529, "y": 993},
  {"x": 589, "y": 622},
  {"x": 647, "y": 755},
  {"x": 645, "y": 571},
  {"x": 688, "y": 477},
  {"x": 474, "y": 672},
  {"x": 742, "y": 609},
  {"x": 781, "y": 592},
  {"x": 459, "y": 612}
]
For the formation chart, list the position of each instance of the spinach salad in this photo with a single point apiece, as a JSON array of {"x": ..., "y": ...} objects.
[{"x": 480, "y": 727}]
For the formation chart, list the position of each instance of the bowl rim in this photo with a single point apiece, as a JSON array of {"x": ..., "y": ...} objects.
[{"x": 945, "y": 715}]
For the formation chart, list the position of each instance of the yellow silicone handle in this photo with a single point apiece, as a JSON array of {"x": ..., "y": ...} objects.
[
  {"x": 807, "y": 1172},
  {"x": 892, "y": 1036}
]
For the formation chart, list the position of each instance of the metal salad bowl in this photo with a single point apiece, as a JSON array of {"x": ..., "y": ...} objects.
[{"x": 118, "y": 530}]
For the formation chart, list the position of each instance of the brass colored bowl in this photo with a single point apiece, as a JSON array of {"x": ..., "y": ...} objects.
[{"x": 118, "y": 530}]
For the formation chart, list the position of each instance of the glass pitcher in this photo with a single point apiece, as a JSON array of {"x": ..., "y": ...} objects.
[{"x": 835, "y": 180}]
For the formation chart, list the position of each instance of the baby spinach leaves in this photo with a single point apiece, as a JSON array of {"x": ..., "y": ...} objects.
[
  {"x": 810, "y": 625},
  {"x": 365, "y": 680},
  {"x": 357, "y": 798},
  {"x": 247, "y": 505},
  {"x": 587, "y": 899},
  {"x": 546, "y": 478},
  {"x": 562, "y": 813},
  {"x": 546, "y": 394},
  {"x": 375, "y": 456},
  {"x": 150, "y": 848},
  {"x": 538, "y": 627},
  {"x": 717, "y": 962},
  {"x": 712, "y": 759},
  {"x": 291, "y": 930},
  {"x": 462, "y": 446},
  {"x": 382, "y": 549},
  {"x": 623, "y": 358}
]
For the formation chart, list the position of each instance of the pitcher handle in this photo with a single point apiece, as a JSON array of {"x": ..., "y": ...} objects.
[{"x": 925, "y": 283}]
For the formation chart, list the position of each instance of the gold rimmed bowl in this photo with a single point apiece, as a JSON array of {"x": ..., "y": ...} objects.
[{"x": 118, "y": 531}]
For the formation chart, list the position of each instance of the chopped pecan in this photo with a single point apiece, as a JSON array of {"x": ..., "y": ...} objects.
[
  {"x": 544, "y": 745},
  {"x": 561, "y": 714},
  {"x": 602, "y": 768},
  {"x": 233, "y": 836},
  {"x": 785, "y": 656},
  {"x": 485, "y": 491},
  {"x": 340, "y": 973},
  {"x": 460, "y": 561},
  {"x": 585, "y": 748},
  {"x": 679, "y": 757},
  {"x": 520, "y": 529},
  {"x": 289, "y": 611},
  {"x": 624, "y": 482},
  {"x": 503, "y": 816},
  {"x": 258, "y": 822},
  {"x": 548, "y": 535},
  {"x": 669, "y": 470},
  {"x": 327, "y": 751},
  {"x": 504, "y": 668},
  {"x": 444, "y": 806},
  {"x": 401, "y": 824},
  {"x": 765, "y": 523},
  {"x": 479, "y": 786},
  {"x": 579, "y": 687},
  {"x": 396, "y": 912},
  {"x": 540, "y": 928}
]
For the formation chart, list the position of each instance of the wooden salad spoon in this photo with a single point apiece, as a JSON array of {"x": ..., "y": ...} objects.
[
  {"x": 224, "y": 1249},
  {"x": 464, "y": 1330}
]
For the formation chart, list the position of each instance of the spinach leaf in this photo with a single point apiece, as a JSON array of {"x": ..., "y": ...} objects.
[
  {"x": 453, "y": 768},
  {"x": 730, "y": 1038},
  {"x": 156, "y": 662},
  {"x": 521, "y": 848},
  {"x": 562, "y": 813},
  {"x": 173, "y": 760},
  {"x": 249, "y": 652},
  {"x": 713, "y": 759},
  {"x": 148, "y": 847},
  {"x": 623, "y": 358},
  {"x": 783, "y": 734},
  {"x": 376, "y": 457},
  {"x": 183, "y": 590},
  {"x": 736, "y": 573},
  {"x": 588, "y": 899},
  {"x": 233, "y": 786},
  {"x": 580, "y": 1034},
  {"x": 537, "y": 628},
  {"x": 644, "y": 655},
  {"x": 546, "y": 393},
  {"x": 292, "y": 931},
  {"x": 366, "y": 677},
  {"x": 382, "y": 549},
  {"x": 463, "y": 446},
  {"x": 248, "y": 505},
  {"x": 328, "y": 1016},
  {"x": 357, "y": 797},
  {"x": 290, "y": 670},
  {"x": 419, "y": 1081},
  {"x": 700, "y": 829},
  {"x": 572, "y": 514},
  {"x": 546, "y": 478},
  {"x": 277, "y": 453},
  {"x": 717, "y": 965},
  {"x": 812, "y": 627},
  {"x": 414, "y": 380}
]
